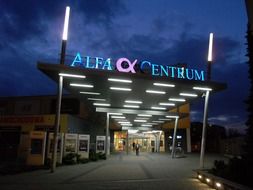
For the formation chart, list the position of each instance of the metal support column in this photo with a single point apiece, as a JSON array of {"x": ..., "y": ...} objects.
[
  {"x": 174, "y": 138},
  {"x": 127, "y": 143},
  {"x": 57, "y": 123},
  {"x": 203, "y": 141},
  {"x": 107, "y": 150},
  {"x": 188, "y": 139}
]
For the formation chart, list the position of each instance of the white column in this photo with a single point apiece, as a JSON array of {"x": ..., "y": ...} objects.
[
  {"x": 57, "y": 124},
  {"x": 107, "y": 141},
  {"x": 203, "y": 141},
  {"x": 174, "y": 138},
  {"x": 188, "y": 139}
]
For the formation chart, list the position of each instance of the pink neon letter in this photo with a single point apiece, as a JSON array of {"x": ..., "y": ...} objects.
[{"x": 130, "y": 65}]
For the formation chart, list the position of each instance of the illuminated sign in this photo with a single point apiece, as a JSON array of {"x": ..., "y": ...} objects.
[{"x": 127, "y": 66}]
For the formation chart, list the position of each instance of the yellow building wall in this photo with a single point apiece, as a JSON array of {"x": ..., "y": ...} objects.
[
  {"x": 182, "y": 122},
  {"x": 28, "y": 122}
]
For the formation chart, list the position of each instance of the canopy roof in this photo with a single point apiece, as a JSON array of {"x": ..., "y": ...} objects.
[{"x": 144, "y": 100}]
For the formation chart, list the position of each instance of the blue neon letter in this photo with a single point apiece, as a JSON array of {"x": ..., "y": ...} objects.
[
  {"x": 107, "y": 64},
  {"x": 188, "y": 76},
  {"x": 88, "y": 63},
  {"x": 164, "y": 70},
  {"x": 78, "y": 60},
  {"x": 142, "y": 65},
  {"x": 99, "y": 61},
  {"x": 199, "y": 76},
  {"x": 172, "y": 71},
  {"x": 155, "y": 70},
  {"x": 180, "y": 73}
]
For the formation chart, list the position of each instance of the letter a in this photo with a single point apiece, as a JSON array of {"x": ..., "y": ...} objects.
[{"x": 78, "y": 60}]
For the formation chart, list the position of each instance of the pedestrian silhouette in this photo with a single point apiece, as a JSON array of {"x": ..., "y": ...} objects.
[{"x": 137, "y": 149}]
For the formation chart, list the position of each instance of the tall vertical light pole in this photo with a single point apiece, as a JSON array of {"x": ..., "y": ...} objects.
[
  {"x": 203, "y": 140},
  {"x": 210, "y": 56},
  {"x": 59, "y": 93}
]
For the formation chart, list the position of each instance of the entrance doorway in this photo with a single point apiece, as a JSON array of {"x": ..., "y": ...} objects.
[{"x": 9, "y": 143}]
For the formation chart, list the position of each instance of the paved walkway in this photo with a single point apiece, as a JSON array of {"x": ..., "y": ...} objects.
[{"x": 120, "y": 171}]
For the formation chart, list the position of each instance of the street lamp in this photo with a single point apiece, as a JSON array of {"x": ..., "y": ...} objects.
[
  {"x": 60, "y": 84},
  {"x": 210, "y": 56}
]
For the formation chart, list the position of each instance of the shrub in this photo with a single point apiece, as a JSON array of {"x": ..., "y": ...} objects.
[{"x": 69, "y": 159}]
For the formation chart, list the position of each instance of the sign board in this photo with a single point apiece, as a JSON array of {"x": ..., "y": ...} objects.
[
  {"x": 50, "y": 147},
  {"x": 133, "y": 66},
  {"x": 100, "y": 144},
  {"x": 83, "y": 145},
  {"x": 37, "y": 144},
  {"x": 70, "y": 143}
]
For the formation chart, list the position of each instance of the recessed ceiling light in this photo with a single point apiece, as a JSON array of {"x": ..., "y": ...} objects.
[
  {"x": 82, "y": 85},
  {"x": 90, "y": 93},
  {"x": 97, "y": 99},
  {"x": 119, "y": 80},
  {"x": 131, "y": 106},
  {"x": 115, "y": 113},
  {"x": 158, "y": 121},
  {"x": 118, "y": 117},
  {"x": 101, "y": 104},
  {"x": 127, "y": 124},
  {"x": 120, "y": 89},
  {"x": 155, "y": 92},
  {"x": 71, "y": 75},
  {"x": 172, "y": 116},
  {"x": 202, "y": 88},
  {"x": 146, "y": 125},
  {"x": 188, "y": 94},
  {"x": 164, "y": 119},
  {"x": 158, "y": 108},
  {"x": 133, "y": 101},
  {"x": 152, "y": 123},
  {"x": 177, "y": 99},
  {"x": 166, "y": 104},
  {"x": 163, "y": 84},
  {"x": 144, "y": 115},
  {"x": 124, "y": 122},
  {"x": 140, "y": 120}
]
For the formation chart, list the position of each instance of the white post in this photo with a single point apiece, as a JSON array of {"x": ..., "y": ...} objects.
[
  {"x": 188, "y": 139},
  {"x": 174, "y": 138},
  {"x": 203, "y": 141},
  {"x": 57, "y": 123},
  {"x": 107, "y": 147}
]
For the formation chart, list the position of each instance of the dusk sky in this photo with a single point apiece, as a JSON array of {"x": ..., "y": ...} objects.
[{"x": 162, "y": 31}]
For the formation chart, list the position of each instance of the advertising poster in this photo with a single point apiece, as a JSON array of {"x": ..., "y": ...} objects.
[{"x": 83, "y": 145}]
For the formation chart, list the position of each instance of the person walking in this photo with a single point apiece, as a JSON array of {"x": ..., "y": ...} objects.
[
  {"x": 133, "y": 146},
  {"x": 137, "y": 149}
]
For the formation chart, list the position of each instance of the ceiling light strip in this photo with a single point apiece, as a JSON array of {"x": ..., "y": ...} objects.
[
  {"x": 177, "y": 99},
  {"x": 188, "y": 94},
  {"x": 157, "y": 108},
  {"x": 120, "y": 89},
  {"x": 81, "y": 85},
  {"x": 133, "y": 102},
  {"x": 72, "y": 75},
  {"x": 97, "y": 99},
  {"x": 163, "y": 84},
  {"x": 202, "y": 88},
  {"x": 90, "y": 93},
  {"x": 155, "y": 92},
  {"x": 119, "y": 80},
  {"x": 101, "y": 104},
  {"x": 131, "y": 106}
]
